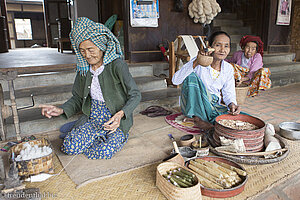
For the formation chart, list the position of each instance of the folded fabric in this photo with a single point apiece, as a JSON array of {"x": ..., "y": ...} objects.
[{"x": 155, "y": 111}]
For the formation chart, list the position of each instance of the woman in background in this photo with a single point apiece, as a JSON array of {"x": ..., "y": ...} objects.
[{"x": 248, "y": 65}]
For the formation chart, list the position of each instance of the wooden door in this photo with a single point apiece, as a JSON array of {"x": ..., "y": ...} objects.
[{"x": 54, "y": 9}]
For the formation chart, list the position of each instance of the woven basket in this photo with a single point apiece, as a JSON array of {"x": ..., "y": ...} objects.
[
  {"x": 241, "y": 94},
  {"x": 253, "y": 139},
  {"x": 171, "y": 191},
  {"x": 34, "y": 166},
  {"x": 250, "y": 160}
]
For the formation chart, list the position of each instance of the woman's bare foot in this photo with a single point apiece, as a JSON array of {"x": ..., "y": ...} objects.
[
  {"x": 202, "y": 124},
  {"x": 186, "y": 119}
]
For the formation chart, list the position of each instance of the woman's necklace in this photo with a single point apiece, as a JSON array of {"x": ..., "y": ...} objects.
[{"x": 215, "y": 73}]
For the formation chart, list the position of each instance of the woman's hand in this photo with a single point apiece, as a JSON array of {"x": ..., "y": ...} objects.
[
  {"x": 245, "y": 79},
  {"x": 51, "y": 111},
  {"x": 234, "y": 109},
  {"x": 202, "y": 53},
  {"x": 114, "y": 122},
  {"x": 238, "y": 83}
]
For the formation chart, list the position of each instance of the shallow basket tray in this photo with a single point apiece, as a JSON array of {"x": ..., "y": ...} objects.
[
  {"x": 250, "y": 160},
  {"x": 34, "y": 166},
  {"x": 172, "y": 192}
]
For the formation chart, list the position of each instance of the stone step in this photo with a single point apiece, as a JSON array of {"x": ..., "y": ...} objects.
[
  {"x": 282, "y": 78},
  {"x": 223, "y": 15},
  {"x": 227, "y": 22},
  {"x": 150, "y": 83},
  {"x": 278, "y": 58},
  {"x": 67, "y": 77},
  {"x": 138, "y": 70},
  {"x": 60, "y": 93},
  {"x": 41, "y": 95},
  {"x": 236, "y": 38},
  {"x": 234, "y": 47},
  {"x": 32, "y": 122},
  {"x": 236, "y": 30},
  {"x": 283, "y": 67}
]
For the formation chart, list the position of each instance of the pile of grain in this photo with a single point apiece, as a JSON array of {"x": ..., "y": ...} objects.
[{"x": 237, "y": 124}]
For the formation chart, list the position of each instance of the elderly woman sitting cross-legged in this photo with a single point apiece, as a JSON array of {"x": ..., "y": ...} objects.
[
  {"x": 103, "y": 90},
  {"x": 200, "y": 99},
  {"x": 248, "y": 65}
]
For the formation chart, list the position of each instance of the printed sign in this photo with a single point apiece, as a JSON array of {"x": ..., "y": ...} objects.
[
  {"x": 284, "y": 12},
  {"x": 144, "y": 13}
]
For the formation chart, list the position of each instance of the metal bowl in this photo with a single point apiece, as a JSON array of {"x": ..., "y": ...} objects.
[{"x": 290, "y": 130}]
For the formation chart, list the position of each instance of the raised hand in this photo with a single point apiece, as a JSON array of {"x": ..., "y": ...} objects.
[{"x": 50, "y": 110}]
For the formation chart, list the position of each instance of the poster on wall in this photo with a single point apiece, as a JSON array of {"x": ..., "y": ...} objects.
[
  {"x": 284, "y": 12},
  {"x": 144, "y": 13}
]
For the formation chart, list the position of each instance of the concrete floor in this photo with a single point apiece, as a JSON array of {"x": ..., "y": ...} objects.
[
  {"x": 28, "y": 57},
  {"x": 274, "y": 106}
]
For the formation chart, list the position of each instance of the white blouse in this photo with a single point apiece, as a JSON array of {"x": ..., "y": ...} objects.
[
  {"x": 245, "y": 61},
  {"x": 225, "y": 80},
  {"x": 96, "y": 92}
]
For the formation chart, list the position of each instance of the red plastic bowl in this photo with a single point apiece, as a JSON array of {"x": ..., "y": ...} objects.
[{"x": 225, "y": 193}]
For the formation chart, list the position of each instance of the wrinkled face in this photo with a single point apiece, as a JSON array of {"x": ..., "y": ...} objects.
[
  {"x": 91, "y": 53},
  {"x": 221, "y": 45},
  {"x": 250, "y": 49}
]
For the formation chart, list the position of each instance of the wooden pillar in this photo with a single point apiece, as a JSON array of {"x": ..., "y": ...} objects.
[
  {"x": 4, "y": 13},
  {"x": 47, "y": 25}
]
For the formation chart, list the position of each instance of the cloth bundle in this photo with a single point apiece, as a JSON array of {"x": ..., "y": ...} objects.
[
  {"x": 235, "y": 146},
  {"x": 204, "y": 11}
]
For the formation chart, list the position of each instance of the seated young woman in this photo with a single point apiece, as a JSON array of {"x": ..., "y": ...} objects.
[
  {"x": 104, "y": 91},
  {"x": 200, "y": 98},
  {"x": 248, "y": 65}
]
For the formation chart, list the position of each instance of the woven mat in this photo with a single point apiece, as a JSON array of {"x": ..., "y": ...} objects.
[
  {"x": 140, "y": 183},
  {"x": 188, "y": 127},
  {"x": 147, "y": 144}
]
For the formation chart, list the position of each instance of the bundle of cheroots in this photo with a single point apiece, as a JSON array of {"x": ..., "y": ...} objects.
[
  {"x": 204, "y": 11},
  {"x": 216, "y": 174}
]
